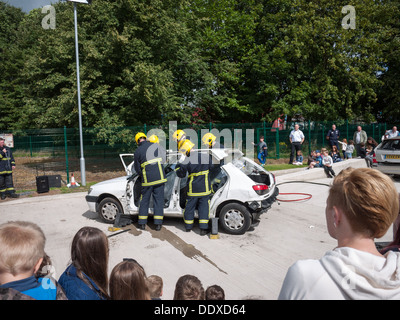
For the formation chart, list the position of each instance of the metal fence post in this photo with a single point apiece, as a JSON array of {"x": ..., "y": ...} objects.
[
  {"x": 277, "y": 143},
  {"x": 30, "y": 144},
  {"x": 309, "y": 137},
  {"x": 66, "y": 153}
]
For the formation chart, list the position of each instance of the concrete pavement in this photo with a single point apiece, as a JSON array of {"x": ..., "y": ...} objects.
[{"x": 251, "y": 265}]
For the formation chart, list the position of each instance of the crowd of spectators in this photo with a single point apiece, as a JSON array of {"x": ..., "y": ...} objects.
[{"x": 25, "y": 271}]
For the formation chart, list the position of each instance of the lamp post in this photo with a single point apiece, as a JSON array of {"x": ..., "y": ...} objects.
[{"x": 82, "y": 158}]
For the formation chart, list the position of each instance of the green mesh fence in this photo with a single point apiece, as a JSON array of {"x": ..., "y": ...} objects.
[{"x": 102, "y": 146}]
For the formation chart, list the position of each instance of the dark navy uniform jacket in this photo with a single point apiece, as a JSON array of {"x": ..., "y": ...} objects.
[
  {"x": 198, "y": 166},
  {"x": 333, "y": 135},
  {"x": 149, "y": 159},
  {"x": 6, "y": 161}
]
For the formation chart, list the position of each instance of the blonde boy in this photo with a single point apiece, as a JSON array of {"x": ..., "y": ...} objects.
[{"x": 22, "y": 251}]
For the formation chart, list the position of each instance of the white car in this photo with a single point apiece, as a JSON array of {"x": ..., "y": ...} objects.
[
  {"x": 387, "y": 156},
  {"x": 242, "y": 191}
]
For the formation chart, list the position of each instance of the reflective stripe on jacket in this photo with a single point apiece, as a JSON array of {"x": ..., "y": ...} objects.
[
  {"x": 6, "y": 161},
  {"x": 197, "y": 165},
  {"x": 149, "y": 158}
]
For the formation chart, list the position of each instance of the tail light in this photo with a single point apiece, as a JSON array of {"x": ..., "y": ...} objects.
[
  {"x": 260, "y": 189},
  {"x": 374, "y": 158}
]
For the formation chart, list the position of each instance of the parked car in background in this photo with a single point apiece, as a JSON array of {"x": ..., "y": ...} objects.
[
  {"x": 387, "y": 156},
  {"x": 242, "y": 190}
]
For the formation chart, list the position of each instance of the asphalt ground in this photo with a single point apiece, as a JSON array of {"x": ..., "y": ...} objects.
[{"x": 249, "y": 266}]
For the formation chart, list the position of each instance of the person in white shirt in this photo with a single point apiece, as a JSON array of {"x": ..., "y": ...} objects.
[
  {"x": 392, "y": 133},
  {"x": 296, "y": 139},
  {"x": 362, "y": 204}
]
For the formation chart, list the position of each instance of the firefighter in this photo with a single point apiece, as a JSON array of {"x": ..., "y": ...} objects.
[
  {"x": 179, "y": 136},
  {"x": 7, "y": 165},
  {"x": 149, "y": 158},
  {"x": 210, "y": 141},
  {"x": 197, "y": 165},
  {"x": 153, "y": 139}
]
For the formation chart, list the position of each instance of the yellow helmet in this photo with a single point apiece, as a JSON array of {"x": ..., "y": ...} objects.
[
  {"x": 153, "y": 139},
  {"x": 179, "y": 135},
  {"x": 139, "y": 135},
  {"x": 208, "y": 139},
  {"x": 185, "y": 146}
]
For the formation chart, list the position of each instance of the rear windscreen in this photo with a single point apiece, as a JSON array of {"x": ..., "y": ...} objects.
[
  {"x": 253, "y": 171},
  {"x": 391, "y": 145}
]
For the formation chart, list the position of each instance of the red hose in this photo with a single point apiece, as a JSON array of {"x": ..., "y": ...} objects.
[{"x": 308, "y": 196}]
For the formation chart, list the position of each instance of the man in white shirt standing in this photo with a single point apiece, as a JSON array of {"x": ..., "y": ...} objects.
[{"x": 296, "y": 139}]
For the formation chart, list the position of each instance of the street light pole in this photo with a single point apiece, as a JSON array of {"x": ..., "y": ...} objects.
[{"x": 82, "y": 159}]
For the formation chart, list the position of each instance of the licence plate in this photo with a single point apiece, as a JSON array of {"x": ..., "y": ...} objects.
[{"x": 392, "y": 156}]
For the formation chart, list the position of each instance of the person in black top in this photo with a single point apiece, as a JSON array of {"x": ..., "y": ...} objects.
[
  {"x": 197, "y": 165},
  {"x": 333, "y": 137},
  {"x": 149, "y": 159},
  {"x": 7, "y": 165}
]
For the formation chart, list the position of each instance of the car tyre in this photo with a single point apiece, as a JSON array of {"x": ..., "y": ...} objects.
[
  {"x": 234, "y": 218},
  {"x": 108, "y": 209}
]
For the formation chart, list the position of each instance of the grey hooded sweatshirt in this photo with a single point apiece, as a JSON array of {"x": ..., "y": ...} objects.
[{"x": 344, "y": 273}]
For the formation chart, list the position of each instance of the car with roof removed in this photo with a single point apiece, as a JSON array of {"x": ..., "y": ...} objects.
[{"x": 242, "y": 190}]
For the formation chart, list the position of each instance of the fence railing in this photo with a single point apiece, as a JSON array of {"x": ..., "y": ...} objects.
[{"x": 104, "y": 144}]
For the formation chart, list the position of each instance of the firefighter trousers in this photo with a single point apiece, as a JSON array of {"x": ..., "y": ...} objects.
[
  {"x": 6, "y": 184},
  {"x": 157, "y": 192},
  {"x": 202, "y": 204}
]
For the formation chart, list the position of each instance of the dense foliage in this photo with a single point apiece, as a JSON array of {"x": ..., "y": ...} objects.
[{"x": 196, "y": 61}]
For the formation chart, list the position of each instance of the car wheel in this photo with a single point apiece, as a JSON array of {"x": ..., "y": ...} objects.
[
  {"x": 108, "y": 209},
  {"x": 234, "y": 218}
]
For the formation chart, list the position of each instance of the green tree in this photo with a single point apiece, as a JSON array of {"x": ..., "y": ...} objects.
[
  {"x": 138, "y": 64},
  {"x": 11, "y": 62}
]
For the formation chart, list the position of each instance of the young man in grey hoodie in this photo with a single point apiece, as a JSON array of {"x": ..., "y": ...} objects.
[{"x": 354, "y": 269}]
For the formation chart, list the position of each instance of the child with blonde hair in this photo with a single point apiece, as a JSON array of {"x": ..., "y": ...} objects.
[{"x": 21, "y": 256}]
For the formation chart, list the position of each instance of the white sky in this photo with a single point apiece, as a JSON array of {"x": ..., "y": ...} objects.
[{"x": 28, "y": 5}]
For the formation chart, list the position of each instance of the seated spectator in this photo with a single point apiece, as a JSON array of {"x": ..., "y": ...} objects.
[
  {"x": 363, "y": 151},
  {"x": 155, "y": 284},
  {"x": 215, "y": 293},
  {"x": 318, "y": 159},
  {"x": 21, "y": 256},
  {"x": 335, "y": 155},
  {"x": 189, "y": 287},
  {"x": 311, "y": 160},
  {"x": 299, "y": 158},
  {"x": 86, "y": 278},
  {"x": 128, "y": 281},
  {"x": 327, "y": 163},
  {"x": 370, "y": 149},
  {"x": 354, "y": 269}
]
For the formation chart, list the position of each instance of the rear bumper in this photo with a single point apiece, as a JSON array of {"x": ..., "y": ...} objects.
[
  {"x": 265, "y": 206},
  {"x": 267, "y": 203}
]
